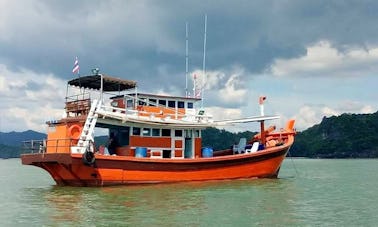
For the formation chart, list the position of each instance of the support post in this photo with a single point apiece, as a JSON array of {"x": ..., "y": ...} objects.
[{"x": 262, "y": 131}]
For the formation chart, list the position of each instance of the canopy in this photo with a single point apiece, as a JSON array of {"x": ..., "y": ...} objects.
[{"x": 109, "y": 83}]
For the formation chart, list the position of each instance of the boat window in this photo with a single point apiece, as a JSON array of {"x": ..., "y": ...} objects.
[
  {"x": 171, "y": 103},
  {"x": 152, "y": 102},
  {"x": 162, "y": 102},
  {"x": 142, "y": 102},
  {"x": 178, "y": 133},
  {"x": 197, "y": 133},
  {"x": 114, "y": 103},
  {"x": 155, "y": 132},
  {"x": 129, "y": 103},
  {"x": 180, "y": 104},
  {"x": 146, "y": 132},
  {"x": 166, "y": 132},
  {"x": 190, "y": 105},
  {"x": 136, "y": 131}
]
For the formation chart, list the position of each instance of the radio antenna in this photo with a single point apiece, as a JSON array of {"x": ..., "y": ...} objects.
[
  {"x": 186, "y": 60},
  {"x": 204, "y": 63}
]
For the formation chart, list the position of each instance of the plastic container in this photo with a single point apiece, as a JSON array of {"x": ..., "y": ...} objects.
[
  {"x": 140, "y": 152},
  {"x": 261, "y": 147},
  {"x": 207, "y": 152}
]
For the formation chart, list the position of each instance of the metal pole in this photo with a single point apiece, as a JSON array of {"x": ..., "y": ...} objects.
[
  {"x": 186, "y": 61},
  {"x": 101, "y": 88},
  {"x": 204, "y": 63}
]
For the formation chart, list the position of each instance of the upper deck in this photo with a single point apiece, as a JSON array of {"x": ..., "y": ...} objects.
[{"x": 126, "y": 105}]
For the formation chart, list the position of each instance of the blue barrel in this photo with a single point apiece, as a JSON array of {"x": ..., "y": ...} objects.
[
  {"x": 207, "y": 152},
  {"x": 140, "y": 152}
]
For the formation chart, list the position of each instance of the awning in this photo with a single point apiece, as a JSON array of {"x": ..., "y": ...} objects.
[{"x": 109, "y": 83}]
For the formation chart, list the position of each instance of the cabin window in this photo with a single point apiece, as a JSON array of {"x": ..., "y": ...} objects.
[
  {"x": 163, "y": 102},
  {"x": 129, "y": 103},
  {"x": 155, "y": 132},
  {"x": 142, "y": 102},
  {"x": 166, "y": 153},
  {"x": 190, "y": 105},
  {"x": 180, "y": 104},
  {"x": 152, "y": 102},
  {"x": 197, "y": 133},
  {"x": 136, "y": 131},
  {"x": 171, "y": 103},
  {"x": 114, "y": 104},
  {"x": 166, "y": 132},
  {"x": 146, "y": 132},
  {"x": 178, "y": 133}
]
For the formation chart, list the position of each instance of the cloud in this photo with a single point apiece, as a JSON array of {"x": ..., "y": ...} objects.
[
  {"x": 29, "y": 99},
  {"x": 304, "y": 42},
  {"x": 224, "y": 87},
  {"x": 321, "y": 59}
]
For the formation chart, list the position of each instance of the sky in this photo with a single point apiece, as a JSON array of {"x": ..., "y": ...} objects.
[{"x": 312, "y": 59}]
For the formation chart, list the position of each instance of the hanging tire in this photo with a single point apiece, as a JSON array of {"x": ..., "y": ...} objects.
[{"x": 88, "y": 158}]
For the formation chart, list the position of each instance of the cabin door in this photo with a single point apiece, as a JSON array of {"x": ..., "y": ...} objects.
[{"x": 188, "y": 147}]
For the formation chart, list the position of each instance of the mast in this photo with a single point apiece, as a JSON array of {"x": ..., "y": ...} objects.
[
  {"x": 186, "y": 60},
  {"x": 204, "y": 63}
]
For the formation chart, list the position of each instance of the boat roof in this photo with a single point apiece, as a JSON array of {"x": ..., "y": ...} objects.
[
  {"x": 109, "y": 83},
  {"x": 146, "y": 95}
]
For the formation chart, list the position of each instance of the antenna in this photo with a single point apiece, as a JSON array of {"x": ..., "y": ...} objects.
[
  {"x": 204, "y": 63},
  {"x": 186, "y": 60}
]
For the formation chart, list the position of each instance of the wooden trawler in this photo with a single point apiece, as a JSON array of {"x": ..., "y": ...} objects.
[{"x": 158, "y": 140}]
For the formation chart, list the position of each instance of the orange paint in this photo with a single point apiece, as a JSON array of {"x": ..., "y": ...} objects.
[
  {"x": 144, "y": 141},
  {"x": 178, "y": 143}
]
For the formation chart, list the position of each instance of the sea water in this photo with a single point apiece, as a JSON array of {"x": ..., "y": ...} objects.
[{"x": 309, "y": 192}]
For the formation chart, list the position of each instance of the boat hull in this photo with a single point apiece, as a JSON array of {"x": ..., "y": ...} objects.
[{"x": 69, "y": 170}]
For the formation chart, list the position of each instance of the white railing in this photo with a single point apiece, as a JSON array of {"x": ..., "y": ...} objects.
[{"x": 123, "y": 114}]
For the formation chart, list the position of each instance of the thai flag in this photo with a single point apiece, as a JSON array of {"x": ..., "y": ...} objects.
[{"x": 76, "y": 68}]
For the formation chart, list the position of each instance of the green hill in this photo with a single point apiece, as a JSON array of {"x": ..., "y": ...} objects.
[{"x": 345, "y": 136}]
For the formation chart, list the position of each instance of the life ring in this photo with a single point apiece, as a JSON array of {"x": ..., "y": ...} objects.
[
  {"x": 74, "y": 131},
  {"x": 88, "y": 158}
]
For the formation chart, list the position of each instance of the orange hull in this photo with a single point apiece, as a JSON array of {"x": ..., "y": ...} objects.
[{"x": 68, "y": 169}]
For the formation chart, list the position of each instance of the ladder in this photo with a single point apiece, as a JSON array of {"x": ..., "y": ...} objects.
[{"x": 86, "y": 136}]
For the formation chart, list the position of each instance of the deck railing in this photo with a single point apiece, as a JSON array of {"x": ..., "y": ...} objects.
[
  {"x": 78, "y": 104},
  {"x": 52, "y": 146},
  {"x": 124, "y": 112}
]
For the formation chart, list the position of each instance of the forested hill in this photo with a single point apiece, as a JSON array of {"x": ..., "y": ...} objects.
[{"x": 345, "y": 136}]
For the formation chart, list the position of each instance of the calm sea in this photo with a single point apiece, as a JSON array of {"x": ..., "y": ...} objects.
[{"x": 308, "y": 193}]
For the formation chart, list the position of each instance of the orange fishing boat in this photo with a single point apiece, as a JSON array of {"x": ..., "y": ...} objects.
[{"x": 155, "y": 139}]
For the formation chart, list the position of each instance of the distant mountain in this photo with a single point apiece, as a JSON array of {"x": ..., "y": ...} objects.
[
  {"x": 15, "y": 138},
  {"x": 11, "y": 142},
  {"x": 345, "y": 136}
]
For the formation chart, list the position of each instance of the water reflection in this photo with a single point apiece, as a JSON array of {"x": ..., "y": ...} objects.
[{"x": 209, "y": 203}]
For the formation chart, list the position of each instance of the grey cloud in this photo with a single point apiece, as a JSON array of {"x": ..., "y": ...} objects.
[{"x": 135, "y": 39}]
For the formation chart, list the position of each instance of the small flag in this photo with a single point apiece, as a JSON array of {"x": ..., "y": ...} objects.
[{"x": 76, "y": 67}]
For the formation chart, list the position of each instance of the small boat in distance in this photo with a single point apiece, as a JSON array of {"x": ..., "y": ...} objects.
[{"x": 155, "y": 139}]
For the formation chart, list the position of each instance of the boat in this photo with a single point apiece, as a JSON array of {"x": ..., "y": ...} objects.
[{"x": 156, "y": 139}]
